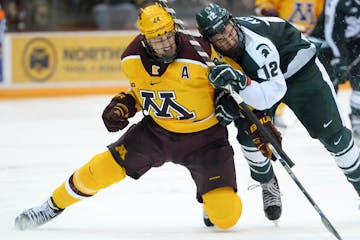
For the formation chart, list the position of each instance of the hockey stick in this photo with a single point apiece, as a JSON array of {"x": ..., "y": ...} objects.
[
  {"x": 353, "y": 63},
  {"x": 248, "y": 113},
  {"x": 324, "y": 219}
]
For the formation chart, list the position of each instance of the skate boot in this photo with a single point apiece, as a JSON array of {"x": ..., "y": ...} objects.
[
  {"x": 37, "y": 216},
  {"x": 206, "y": 219},
  {"x": 271, "y": 199}
]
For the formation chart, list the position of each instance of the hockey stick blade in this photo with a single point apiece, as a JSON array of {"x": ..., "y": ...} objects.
[
  {"x": 330, "y": 228},
  {"x": 211, "y": 64},
  {"x": 324, "y": 219}
]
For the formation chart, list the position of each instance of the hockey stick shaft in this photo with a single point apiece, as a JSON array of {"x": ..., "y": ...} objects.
[
  {"x": 261, "y": 128},
  {"x": 353, "y": 63},
  {"x": 324, "y": 219},
  {"x": 249, "y": 114}
]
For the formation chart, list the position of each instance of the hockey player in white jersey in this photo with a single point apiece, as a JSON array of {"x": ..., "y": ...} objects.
[{"x": 270, "y": 61}]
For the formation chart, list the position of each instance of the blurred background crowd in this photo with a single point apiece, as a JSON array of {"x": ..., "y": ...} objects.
[{"x": 67, "y": 15}]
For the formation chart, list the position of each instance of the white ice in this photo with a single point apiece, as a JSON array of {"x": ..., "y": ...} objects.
[{"x": 42, "y": 141}]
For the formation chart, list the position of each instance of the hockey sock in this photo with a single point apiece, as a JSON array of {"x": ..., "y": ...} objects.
[
  {"x": 260, "y": 167},
  {"x": 100, "y": 172},
  {"x": 341, "y": 145}
]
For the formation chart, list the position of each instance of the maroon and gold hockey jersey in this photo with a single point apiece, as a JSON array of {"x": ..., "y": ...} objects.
[
  {"x": 303, "y": 14},
  {"x": 178, "y": 95}
]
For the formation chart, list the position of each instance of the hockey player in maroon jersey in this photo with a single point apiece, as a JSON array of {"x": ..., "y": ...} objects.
[{"x": 169, "y": 82}]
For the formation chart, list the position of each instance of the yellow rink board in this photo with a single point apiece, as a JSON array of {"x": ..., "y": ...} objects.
[
  {"x": 64, "y": 64},
  {"x": 75, "y": 91},
  {"x": 58, "y": 91},
  {"x": 67, "y": 59}
]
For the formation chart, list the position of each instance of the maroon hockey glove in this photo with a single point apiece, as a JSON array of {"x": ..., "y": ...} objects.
[
  {"x": 260, "y": 142},
  {"x": 115, "y": 115}
]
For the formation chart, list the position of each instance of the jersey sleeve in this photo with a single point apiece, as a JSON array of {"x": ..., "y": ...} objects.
[
  {"x": 129, "y": 66},
  {"x": 264, "y": 95},
  {"x": 262, "y": 63},
  {"x": 269, "y": 87},
  {"x": 137, "y": 104}
]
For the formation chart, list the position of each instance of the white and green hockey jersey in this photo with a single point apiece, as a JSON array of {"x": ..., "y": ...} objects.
[{"x": 274, "y": 52}]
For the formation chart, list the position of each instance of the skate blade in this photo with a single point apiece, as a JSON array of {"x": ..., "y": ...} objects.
[{"x": 276, "y": 223}]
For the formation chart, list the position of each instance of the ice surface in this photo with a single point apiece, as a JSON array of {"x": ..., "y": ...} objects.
[{"x": 44, "y": 140}]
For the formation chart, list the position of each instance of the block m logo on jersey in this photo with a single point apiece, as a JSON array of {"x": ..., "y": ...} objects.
[
  {"x": 168, "y": 105},
  {"x": 303, "y": 12}
]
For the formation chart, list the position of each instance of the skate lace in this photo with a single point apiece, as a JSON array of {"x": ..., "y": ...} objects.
[
  {"x": 271, "y": 193},
  {"x": 42, "y": 214}
]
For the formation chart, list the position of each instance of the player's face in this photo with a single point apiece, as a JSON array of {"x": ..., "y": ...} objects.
[
  {"x": 164, "y": 45},
  {"x": 226, "y": 40}
]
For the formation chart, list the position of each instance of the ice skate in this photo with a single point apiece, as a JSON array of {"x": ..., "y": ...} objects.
[
  {"x": 271, "y": 199},
  {"x": 37, "y": 216},
  {"x": 206, "y": 219}
]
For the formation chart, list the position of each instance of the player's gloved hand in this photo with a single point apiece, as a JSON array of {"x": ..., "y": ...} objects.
[
  {"x": 270, "y": 12},
  {"x": 115, "y": 115},
  {"x": 226, "y": 109},
  {"x": 223, "y": 74},
  {"x": 339, "y": 72},
  {"x": 260, "y": 142}
]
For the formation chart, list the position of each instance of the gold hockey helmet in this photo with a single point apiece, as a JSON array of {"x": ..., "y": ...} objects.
[{"x": 154, "y": 21}]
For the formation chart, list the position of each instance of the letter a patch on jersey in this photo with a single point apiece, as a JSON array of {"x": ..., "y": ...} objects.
[{"x": 185, "y": 72}]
